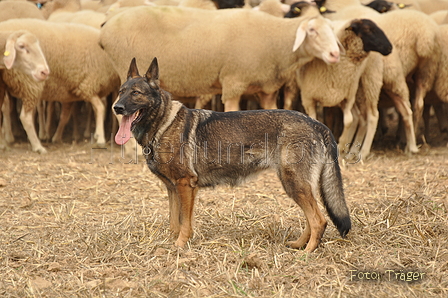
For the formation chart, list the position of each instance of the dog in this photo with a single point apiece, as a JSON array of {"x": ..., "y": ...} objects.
[{"x": 192, "y": 148}]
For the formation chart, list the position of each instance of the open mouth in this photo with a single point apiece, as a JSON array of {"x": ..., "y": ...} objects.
[
  {"x": 127, "y": 124},
  {"x": 137, "y": 117}
]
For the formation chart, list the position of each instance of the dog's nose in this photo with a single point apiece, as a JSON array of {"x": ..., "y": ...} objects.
[{"x": 119, "y": 108}]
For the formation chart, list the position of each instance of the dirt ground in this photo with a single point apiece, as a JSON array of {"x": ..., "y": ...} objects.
[{"x": 80, "y": 222}]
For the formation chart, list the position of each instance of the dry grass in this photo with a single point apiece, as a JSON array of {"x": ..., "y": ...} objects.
[{"x": 72, "y": 224}]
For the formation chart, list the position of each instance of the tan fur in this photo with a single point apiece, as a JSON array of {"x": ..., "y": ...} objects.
[
  {"x": 430, "y": 6},
  {"x": 203, "y": 4},
  {"x": 272, "y": 7},
  {"x": 332, "y": 85},
  {"x": 440, "y": 85},
  {"x": 70, "y": 11},
  {"x": 80, "y": 70},
  {"x": 205, "y": 71},
  {"x": 416, "y": 51},
  {"x": 440, "y": 17},
  {"x": 19, "y": 9}
]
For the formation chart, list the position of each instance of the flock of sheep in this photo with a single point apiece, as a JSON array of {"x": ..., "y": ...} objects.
[{"x": 328, "y": 52}]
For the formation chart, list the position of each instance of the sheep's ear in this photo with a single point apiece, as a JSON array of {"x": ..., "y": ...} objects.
[
  {"x": 10, "y": 53},
  {"x": 355, "y": 26},
  {"x": 133, "y": 71},
  {"x": 300, "y": 35},
  {"x": 152, "y": 75}
]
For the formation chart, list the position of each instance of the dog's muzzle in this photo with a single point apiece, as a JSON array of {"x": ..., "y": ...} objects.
[{"x": 119, "y": 109}]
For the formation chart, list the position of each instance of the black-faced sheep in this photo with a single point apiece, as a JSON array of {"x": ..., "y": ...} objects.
[
  {"x": 81, "y": 71},
  {"x": 337, "y": 84},
  {"x": 414, "y": 36},
  {"x": 258, "y": 56}
]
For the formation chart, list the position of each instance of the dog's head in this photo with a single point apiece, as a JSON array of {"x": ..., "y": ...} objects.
[{"x": 137, "y": 99}]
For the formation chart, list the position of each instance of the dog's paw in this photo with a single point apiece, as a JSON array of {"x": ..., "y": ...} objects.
[{"x": 180, "y": 243}]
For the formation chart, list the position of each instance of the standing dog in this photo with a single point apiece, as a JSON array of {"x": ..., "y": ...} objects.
[{"x": 188, "y": 149}]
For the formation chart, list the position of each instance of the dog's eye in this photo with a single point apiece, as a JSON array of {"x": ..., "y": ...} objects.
[{"x": 135, "y": 92}]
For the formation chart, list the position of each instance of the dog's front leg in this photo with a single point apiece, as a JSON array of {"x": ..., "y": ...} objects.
[
  {"x": 174, "y": 211},
  {"x": 186, "y": 192}
]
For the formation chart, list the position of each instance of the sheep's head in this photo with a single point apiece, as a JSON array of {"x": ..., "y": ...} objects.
[
  {"x": 317, "y": 37},
  {"x": 306, "y": 8},
  {"x": 373, "y": 38},
  {"x": 23, "y": 52}
]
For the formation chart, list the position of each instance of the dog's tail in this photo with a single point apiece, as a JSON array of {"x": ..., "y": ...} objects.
[{"x": 331, "y": 189}]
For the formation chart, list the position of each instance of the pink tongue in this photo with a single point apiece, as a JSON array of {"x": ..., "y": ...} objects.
[{"x": 124, "y": 131}]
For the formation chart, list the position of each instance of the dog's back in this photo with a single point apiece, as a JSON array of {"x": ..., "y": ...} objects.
[{"x": 228, "y": 148}]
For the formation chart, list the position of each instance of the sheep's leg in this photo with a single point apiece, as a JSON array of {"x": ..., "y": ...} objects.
[
  {"x": 202, "y": 101},
  {"x": 63, "y": 119},
  {"x": 7, "y": 127},
  {"x": 41, "y": 120},
  {"x": 420, "y": 93},
  {"x": 405, "y": 111},
  {"x": 99, "y": 110},
  {"x": 426, "y": 120},
  {"x": 231, "y": 93},
  {"x": 361, "y": 131},
  {"x": 310, "y": 107},
  {"x": 268, "y": 101},
  {"x": 26, "y": 117},
  {"x": 232, "y": 104},
  {"x": 289, "y": 95},
  {"x": 344, "y": 140},
  {"x": 74, "y": 113},
  {"x": 372, "y": 123},
  {"x": 49, "y": 112},
  {"x": 351, "y": 131},
  {"x": 87, "y": 129},
  {"x": 441, "y": 111}
]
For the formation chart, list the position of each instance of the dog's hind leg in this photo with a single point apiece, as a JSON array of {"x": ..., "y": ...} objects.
[
  {"x": 300, "y": 190},
  {"x": 186, "y": 192}
]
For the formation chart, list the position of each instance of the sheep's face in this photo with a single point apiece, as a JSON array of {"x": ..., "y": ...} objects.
[
  {"x": 23, "y": 52},
  {"x": 321, "y": 40},
  {"x": 137, "y": 100},
  {"x": 373, "y": 38}
]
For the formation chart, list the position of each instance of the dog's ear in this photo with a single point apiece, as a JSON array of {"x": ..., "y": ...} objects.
[
  {"x": 152, "y": 75},
  {"x": 133, "y": 71}
]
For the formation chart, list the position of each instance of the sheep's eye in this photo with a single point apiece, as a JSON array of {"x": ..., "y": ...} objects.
[{"x": 21, "y": 46}]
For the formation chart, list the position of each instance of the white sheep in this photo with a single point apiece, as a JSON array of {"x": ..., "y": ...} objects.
[
  {"x": 430, "y": 6},
  {"x": 258, "y": 56},
  {"x": 18, "y": 10},
  {"x": 418, "y": 54},
  {"x": 21, "y": 51},
  {"x": 440, "y": 17},
  {"x": 273, "y": 7},
  {"x": 337, "y": 84},
  {"x": 81, "y": 70},
  {"x": 70, "y": 11},
  {"x": 383, "y": 6},
  {"x": 439, "y": 95}
]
